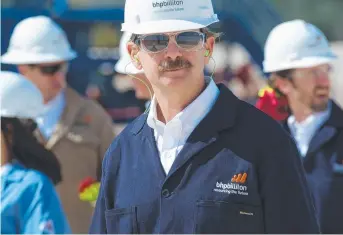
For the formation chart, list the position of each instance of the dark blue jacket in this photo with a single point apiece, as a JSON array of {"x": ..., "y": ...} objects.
[
  {"x": 239, "y": 172},
  {"x": 323, "y": 165}
]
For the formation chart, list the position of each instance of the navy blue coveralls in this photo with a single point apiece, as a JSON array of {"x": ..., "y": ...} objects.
[
  {"x": 239, "y": 172},
  {"x": 323, "y": 165}
]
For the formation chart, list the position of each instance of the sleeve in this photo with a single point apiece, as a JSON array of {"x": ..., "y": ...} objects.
[
  {"x": 45, "y": 214},
  {"x": 110, "y": 167},
  {"x": 287, "y": 202},
  {"x": 106, "y": 136}
]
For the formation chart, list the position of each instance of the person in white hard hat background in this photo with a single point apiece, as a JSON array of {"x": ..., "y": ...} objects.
[
  {"x": 29, "y": 202},
  {"x": 124, "y": 66},
  {"x": 77, "y": 130},
  {"x": 196, "y": 162},
  {"x": 298, "y": 56}
]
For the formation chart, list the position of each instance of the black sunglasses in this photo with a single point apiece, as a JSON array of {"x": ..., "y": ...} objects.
[
  {"x": 154, "y": 43},
  {"x": 51, "y": 69}
]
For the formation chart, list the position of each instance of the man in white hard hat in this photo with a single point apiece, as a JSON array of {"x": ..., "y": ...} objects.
[
  {"x": 201, "y": 160},
  {"x": 77, "y": 130},
  {"x": 298, "y": 56}
]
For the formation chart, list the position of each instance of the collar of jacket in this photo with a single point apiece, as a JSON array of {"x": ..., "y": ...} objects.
[
  {"x": 221, "y": 117},
  {"x": 336, "y": 116},
  {"x": 14, "y": 172},
  {"x": 327, "y": 131},
  {"x": 335, "y": 119}
]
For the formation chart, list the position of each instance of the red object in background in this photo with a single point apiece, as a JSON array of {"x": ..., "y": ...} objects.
[
  {"x": 85, "y": 183},
  {"x": 269, "y": 103}
]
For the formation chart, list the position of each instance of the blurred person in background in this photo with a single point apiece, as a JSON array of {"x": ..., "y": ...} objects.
[
  {"x": 76, "y": 129},
  {"x": 233, "y": 66},
  {"x": 298, "y": 56},
  {"x": 29, "y": 202},
  {"x": 126, "y": 68}
]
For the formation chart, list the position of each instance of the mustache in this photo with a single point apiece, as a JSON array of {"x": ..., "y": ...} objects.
[{"x": 178, "y": 63}]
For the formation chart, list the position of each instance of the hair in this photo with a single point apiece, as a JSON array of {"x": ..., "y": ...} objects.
[
  {"x": 210, "y": 33},
  {"x": 24, "y": 148},
  {"x": 283, "y": 74}
]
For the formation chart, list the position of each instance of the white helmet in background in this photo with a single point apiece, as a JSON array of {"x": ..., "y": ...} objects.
[
  {"x": 151, "y": 16},
  {"x": 38, "y": 40},
  {"x": 296, "y": 44},
  {"x": 20, "y": 98},
  {"x": 124, "y": 64}
]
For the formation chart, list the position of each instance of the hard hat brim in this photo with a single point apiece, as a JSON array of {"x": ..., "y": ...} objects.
[
  {"x": 164, "y": 26},
  {"x": 306, "y": 62},
  {"x": 19, "y": 57},
  {"x": 27, "y": 115}
]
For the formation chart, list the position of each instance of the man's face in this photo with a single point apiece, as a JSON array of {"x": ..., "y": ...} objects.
[
  {"x": 50, "y": 78},
  {"x": 172, "y": 59},
  {"x": 311, "y": 87}
]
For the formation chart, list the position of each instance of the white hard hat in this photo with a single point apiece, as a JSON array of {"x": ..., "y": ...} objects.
[
  {"x": 296, "y": 44},
  {"x": 159, "y": 16},
  {"x": 124, "y": 64},
  {"x": 19, "y": 97},
  {"x": 38, "y": 40}
]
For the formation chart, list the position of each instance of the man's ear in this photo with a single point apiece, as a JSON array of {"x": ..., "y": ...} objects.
[
  {"x": 133, "y": 51},
  {"x": 283, "y": 84},
  {"x": 209, "y": 45}
]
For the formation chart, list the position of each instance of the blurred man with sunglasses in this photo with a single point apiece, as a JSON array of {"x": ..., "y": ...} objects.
[
  {"x": 298, "y": 56},
  {"x": 77, "y": 130},
  {"x": 201, "y": 160}
]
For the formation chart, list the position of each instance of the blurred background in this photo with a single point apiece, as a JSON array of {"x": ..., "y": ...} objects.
[{"x": 93, "y": 29}]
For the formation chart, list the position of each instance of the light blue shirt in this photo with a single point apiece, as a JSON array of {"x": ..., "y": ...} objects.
[
  {"x": 29, "y": 203},
  {"x": 52, "y": 114}
]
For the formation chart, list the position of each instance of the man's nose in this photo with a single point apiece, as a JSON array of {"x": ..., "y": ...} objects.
[
  {"x": 173, "y": 51},
  {"x": 323, "y": 79}
]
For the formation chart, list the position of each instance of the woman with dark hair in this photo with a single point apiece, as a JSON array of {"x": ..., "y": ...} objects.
[{"x": 29, "y": 203}]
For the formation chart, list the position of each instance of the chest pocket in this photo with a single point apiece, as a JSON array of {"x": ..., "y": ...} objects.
[
  {"x": 120, "y": 221},
  {"x": 227, "y": 217},
  {"x": 83, "y": 136}
]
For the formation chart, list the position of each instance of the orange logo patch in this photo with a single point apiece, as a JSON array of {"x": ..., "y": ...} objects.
[{"x": 240, "y": 178}]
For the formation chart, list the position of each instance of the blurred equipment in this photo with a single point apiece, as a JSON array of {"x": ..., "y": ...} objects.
[{"x": 235, "y": 67}]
